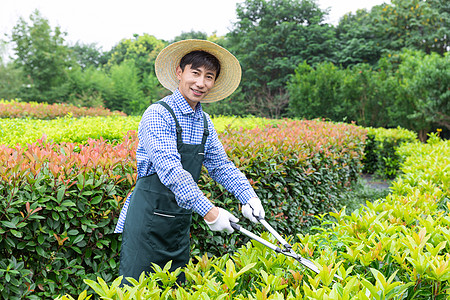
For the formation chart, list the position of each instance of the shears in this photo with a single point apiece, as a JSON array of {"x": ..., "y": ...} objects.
[{"x": 286, "y": 247}]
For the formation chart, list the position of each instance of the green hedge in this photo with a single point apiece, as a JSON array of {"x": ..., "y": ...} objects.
[
  {"x": 44, "y": 111},
  {"x": 58, "y": 208},
  {"x": 79, "y": 130},
  {"x": 298, "y": 169},
  {"x": 381, "y": 157},
  {"x": 394, "y": 248},
  {"x": 60, "y": 202}
]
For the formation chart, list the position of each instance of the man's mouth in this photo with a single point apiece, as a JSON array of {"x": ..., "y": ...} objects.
[{"x": 197, "y": 92}]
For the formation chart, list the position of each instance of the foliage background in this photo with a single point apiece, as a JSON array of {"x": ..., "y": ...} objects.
[
  {"x": 393, "y": 248},
  {"x": 60, "y": 201},
  {"x": 373, "y": 65},
  {"x": 385, "y": 67}
]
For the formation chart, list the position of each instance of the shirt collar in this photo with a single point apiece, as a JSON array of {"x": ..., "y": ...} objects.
[{"x": 184, "y": 106}]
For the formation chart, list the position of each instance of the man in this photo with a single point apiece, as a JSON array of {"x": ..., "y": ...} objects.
[{"x": 175, "y": 139}]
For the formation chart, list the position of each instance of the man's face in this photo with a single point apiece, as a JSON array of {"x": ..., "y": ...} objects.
[{"x": 195, "y": 84}]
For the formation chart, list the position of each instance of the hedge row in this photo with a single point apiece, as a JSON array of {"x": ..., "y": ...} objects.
[
  {"x": 299, "y": 169},
  {"x": 71, "y": 130},
  {"x": 79, "y": 130},
  {"x": 394, "y": 248},
  {"x": 61, "y": 201},
  {"x": 58, "y": 209},
  {"x": 381, "y": 157},
  {"x": 44, "y": 111}
]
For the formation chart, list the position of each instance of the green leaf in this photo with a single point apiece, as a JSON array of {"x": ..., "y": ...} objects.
[
  {"x": 22, "y": 224},
  {"x": 55, "y": 216},
  {"x": 16, "y": 233},
  {"x": 8, "y": 224},
  {"x": 112, "y": 263},
  {"x": 76, "y": 249},
  {"x": 73, "y": 232},
  {"x": 95, "y": 286},
  {"x": 21, "y": 245},
  {"x": 78, "y": 239},
  {"x": 96, "y": 200},
  {"x": 88, "y": 252},
  {"x": 68, "y": 203},
  {"x": 83, "y": 295},
  {"x": 41, "y": 251},
  {"x": 60, "y": 194}
]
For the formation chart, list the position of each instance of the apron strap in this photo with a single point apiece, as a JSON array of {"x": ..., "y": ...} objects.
[
  {"x": 179, "y": 130},
  {"x": 178, "y": 127},
  {"x": 205, "y": 129}
]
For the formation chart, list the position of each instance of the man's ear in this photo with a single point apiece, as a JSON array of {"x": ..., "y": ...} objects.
[{"x": 178, "y": 72}]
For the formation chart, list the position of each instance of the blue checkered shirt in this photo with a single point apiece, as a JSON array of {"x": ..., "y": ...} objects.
[{"x": 157, "y": 153}]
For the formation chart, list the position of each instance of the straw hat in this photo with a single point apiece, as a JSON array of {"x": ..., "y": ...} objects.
[{"x": 230, "y": 69}]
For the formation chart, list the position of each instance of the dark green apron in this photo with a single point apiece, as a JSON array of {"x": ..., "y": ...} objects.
[{"x": 156, "y": 229}]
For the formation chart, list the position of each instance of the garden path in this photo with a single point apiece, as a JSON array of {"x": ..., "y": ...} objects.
[{"x": 376, "y": 183}]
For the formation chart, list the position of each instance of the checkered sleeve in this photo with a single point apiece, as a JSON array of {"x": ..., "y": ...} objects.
[{"x": 223, "y": 170}]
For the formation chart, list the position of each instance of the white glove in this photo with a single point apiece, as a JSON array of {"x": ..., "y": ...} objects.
[
  {"x": 222, "y": 222},
  {"x": 253, "y": 208}
]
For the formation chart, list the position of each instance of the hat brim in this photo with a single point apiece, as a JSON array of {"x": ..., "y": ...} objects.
[{"x": 230, "y": 69}]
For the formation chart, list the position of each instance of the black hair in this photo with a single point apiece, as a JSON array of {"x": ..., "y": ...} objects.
[{"x": 200, "y": 58}]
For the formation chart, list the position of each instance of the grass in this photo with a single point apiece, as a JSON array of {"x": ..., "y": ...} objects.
[{"x": 362, "y": 191}]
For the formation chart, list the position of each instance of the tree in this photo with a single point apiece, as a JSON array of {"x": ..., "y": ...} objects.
[
  {"x": 364, "y": 37},
  {"x": 89, "y": 87},
  {"x": 141, "y": 52},
  {"x": 43, "y": 57},
  {"x": 11, "y": 78},
  {"x": 11, "y": 81},
  {"x": 270, "y": 39},
  {"x": 313, "y": 96},
  {"x": 316, "y": 93},
  {"x": 418, "y": 89},
  {"x": 3, "y": 52},
  {"x": 357, "y": 40},
  {"x": 198, "y": 35},
  {"x": 128, "y": 96},
  {"x": 430, "y": 85},
  {"x": 415, "y": 24},
  {"x": 88, "y": 55},
  {"x": 365, "y": 96},
  {"x": 400, "y": 67}
]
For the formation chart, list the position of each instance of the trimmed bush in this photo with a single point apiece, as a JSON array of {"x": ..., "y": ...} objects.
[
  {"x": 394, "y": 248},
  {"x": 58, "y": 209},
  {"x": 381, "y": 157},
  {"x": 79, "y": 130},
  {"x": 60, "y": 202},
  {"x": 44, "y": 111},
  {"x": 297, "y": 168},
  {"x": 70, "y": 130}
]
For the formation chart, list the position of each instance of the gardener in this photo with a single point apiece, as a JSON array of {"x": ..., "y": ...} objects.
[{"x": 175, "y": 139}]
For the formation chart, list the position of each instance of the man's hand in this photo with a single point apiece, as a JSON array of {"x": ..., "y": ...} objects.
[
  {"x": 222, "y": 221},
  {"x": 252, "y": 209}
]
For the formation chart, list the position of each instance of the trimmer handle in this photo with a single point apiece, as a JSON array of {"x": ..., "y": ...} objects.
[
  {"x": 258, "y": 218},
  {"x": 235, "y": 226}
]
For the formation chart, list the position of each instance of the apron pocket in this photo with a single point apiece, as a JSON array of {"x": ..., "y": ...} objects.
[{"x": 168, "y": 230}]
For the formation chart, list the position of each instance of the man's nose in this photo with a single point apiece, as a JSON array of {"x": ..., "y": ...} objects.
[{"x": 201, "y": 81}]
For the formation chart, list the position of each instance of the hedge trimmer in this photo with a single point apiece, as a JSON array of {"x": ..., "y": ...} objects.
[{"x": 287, "y": 250}]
